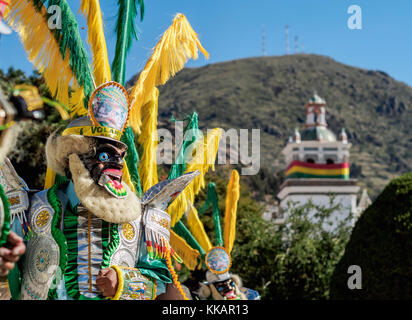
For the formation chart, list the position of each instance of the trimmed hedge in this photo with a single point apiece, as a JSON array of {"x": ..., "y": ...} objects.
[{"x": 381, "y": 244}]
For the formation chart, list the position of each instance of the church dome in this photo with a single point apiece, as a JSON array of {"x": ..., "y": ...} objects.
[
  {"x": 318, "y": 134},
  {"x": 315, "y": 99}
]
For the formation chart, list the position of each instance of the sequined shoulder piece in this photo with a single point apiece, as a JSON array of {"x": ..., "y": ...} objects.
[
  {"x": 165, "y": 192},
  {"x": 42, "y": 254},
  {"x": 15, "y": 189}
]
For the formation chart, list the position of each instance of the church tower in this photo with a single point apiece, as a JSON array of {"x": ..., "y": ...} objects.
[{"x": 317, "y": 164}]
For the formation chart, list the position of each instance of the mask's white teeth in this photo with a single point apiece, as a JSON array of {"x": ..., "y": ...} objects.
[{"x": 103, "y": 180}]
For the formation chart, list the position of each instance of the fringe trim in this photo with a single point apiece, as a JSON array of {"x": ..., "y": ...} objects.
[{"x": 175, "y": 277}]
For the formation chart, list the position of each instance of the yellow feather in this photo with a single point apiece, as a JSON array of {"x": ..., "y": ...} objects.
[
  {"x": 203, "y": 160},
  {"x": 190, "y": 256},
  {"x": 95, "y": 36},
  {"x": 50, "y": 178},
  {"x": 232, "y": 197},
  {"x": 197, "y": 229},
  {"x": 43, "y": 51},
  {"x": 178, "y": 44},
  {"x": 148, "y": 140}
]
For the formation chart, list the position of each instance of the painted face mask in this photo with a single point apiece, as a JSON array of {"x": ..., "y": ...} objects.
[
  {"x": 226, "y": 288},
  {"x": 105, "y": 166}
]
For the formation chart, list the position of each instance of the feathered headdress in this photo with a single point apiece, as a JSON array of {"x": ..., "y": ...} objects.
[
  {"x": 193, "y": 237},
  {"x": 60, "y": 56}
]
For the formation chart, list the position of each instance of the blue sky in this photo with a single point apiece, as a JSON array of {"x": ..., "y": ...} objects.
[{"x": 231, "y": 30}]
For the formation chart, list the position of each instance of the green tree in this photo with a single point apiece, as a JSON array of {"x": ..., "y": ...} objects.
[
  {"x": 28, "y": 154},
  {"x": 381, "y": 245},
  {"x": 294, "y": 259}
]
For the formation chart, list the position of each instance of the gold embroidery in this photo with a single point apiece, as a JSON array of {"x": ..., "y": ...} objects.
[
  {"x": 128, "y": 231},
  {"x": 162, "y": 221},
  {"x": 42, "y": 218},
  {"x": 14, "y": 200}
]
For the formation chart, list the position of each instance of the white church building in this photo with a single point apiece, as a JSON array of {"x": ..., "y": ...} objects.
[{"x": 317, "y": 167}]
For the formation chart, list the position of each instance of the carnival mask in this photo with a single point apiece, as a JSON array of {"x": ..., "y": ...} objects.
[
  {"x": 106, "y": 164},
  {"x": 226, "y": 288}
]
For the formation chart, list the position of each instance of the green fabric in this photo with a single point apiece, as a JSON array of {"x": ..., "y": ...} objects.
[
  {"x": 68, "y": 38},
  {"x": 322, "y": 176},
  {"x": 132, "y": 159},
  {"x": 184, "y": 232},
  {"x": 60, "y": 179},
  {"x": 57, "y": 233},
  {"x": 70, "y": 232},
  {"x": 6, "y": 225},
  {"x": 212, "y": 199},
  {"x": 109, "y": 248},
  {"x": 126, "y": 30},
  {"x": 14, "y": 279},
  {"x": 179, "y": 166},
  {"x": 155, "y": 268}
]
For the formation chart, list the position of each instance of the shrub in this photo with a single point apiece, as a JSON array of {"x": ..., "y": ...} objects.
[{"x": 381, "y": 245}]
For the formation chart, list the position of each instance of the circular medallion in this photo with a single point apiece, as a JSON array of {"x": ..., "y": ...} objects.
[
  {"x": 42, "y": 218},
  {"x": 123, "y": 257},
  {"x": 42, "y": 259},
  {"x": 218, "y": 260},
  {"x": 128, "y": 231}
]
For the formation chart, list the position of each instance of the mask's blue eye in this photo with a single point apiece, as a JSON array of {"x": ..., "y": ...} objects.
[
  {"x": 220, "y": 289},
  {"x": 103, "y": 156}
]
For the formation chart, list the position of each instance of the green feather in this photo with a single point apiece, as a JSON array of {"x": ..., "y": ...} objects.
[
  {"x": 179, "y": 166},
  {"x": 126, "y": 31},
  {"x": 69, "y": 40},
  {"x": 212, "y": 199},
  {"x": 182, "y": 231},
  {"x": 132, "y": 159}
]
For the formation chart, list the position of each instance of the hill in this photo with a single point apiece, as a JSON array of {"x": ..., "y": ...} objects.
[{"x": 270, "y": 92}]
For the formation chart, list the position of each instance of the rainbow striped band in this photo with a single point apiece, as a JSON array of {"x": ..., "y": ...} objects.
[
  {"x": 299, "y": 169},
  {"x": 94, "y": 131}
]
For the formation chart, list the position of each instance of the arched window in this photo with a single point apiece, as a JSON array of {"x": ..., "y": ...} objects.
[
  {"x": 330, "y": 161},
  {"x": 310, "y": 160}
]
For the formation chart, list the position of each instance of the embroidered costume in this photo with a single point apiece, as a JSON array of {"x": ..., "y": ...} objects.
[
  {"x": 90, "y": 219},
  {"x": 197, "y": 251},
  {"x": 103, "y": 206}
]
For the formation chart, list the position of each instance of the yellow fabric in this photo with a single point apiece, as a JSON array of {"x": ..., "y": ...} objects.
[
  {"x": 178, "y": 44},
  {"x": 197, "y": 229},
  {"x": 190, "y": 256},
  {"x": 229, "y": 222},
  {"x": 95, "y": 36},
  {"x": 148, "y": 140},
  {"x": 203, "y": 160},
  {"x": 93, "y": 131},
  {"x": 318, "y": 171},
  {"x": 120, "y": 283},
  {"x": 43, "y": 51},
  {"x": 50, "y": 178}
]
